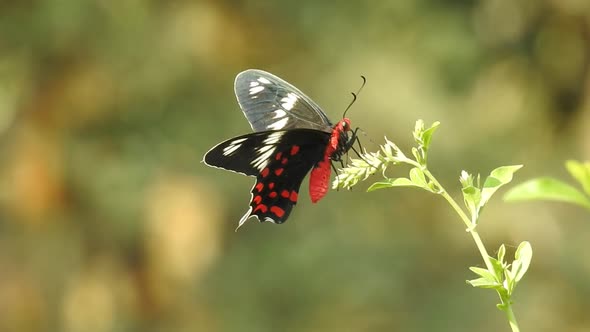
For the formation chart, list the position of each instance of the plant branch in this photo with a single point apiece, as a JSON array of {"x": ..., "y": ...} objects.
[
  {"x": 498, "y": 275},
  {"x": 465, "y": 219},
  {"x": 511, "y": 318}
]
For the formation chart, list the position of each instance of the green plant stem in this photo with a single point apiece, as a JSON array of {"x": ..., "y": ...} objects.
[
  {"x": 511, "y": 318},
  {"x": 478, "y": 242},
  {"x": 466, "y": 221}
]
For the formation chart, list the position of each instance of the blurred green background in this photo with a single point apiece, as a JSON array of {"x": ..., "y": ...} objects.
[{"x": 109, "y": 221}]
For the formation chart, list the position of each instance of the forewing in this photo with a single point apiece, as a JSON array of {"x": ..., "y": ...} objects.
[
  {"x": 270, "y": 103},
  {"x": 250, "y": 154},
  {"x": 246, "y": 154}
]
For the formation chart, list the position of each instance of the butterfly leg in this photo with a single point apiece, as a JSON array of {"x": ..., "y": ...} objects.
[
  {"x": 350, "y": 144},
  {"x": 354, "y": 138},
  {"x": 334, "y": 167},
  {"x": 358, "y": 141}
]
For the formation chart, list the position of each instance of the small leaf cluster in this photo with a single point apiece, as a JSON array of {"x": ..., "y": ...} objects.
[
  {"x": 476, "y": 196},
  {"x": 547, "y": 188},
  {"x": 504, "y": 276}
]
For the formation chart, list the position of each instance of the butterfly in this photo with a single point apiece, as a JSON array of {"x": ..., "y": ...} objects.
[{"x": 292, "y": 136}]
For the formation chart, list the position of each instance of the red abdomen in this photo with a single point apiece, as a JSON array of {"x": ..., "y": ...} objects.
[{"x": 319, "y": 180}]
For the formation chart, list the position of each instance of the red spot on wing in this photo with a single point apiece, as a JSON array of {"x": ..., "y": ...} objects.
[
  {"x": 319, "y": 180},
  {"x": 279, "y": 171},
  {"x": 257, "y": 199},
  {"x": 294, "y": 150},
  {"x": 259, "y": 186},
  {"x": 291, "y": 195},
  {"x": 279, "y": 156},
  {"x": 272, "y": 194},
  {"x": 264, "y": 172},
  {"x": 271, "y": 185},
  {"x": 263, "y": 208},
  {"x": 284, "y": 161},
  {"x": 277, "y": 211}
]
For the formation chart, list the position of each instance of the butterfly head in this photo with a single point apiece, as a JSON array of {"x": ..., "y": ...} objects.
[{"x": 344, "y": 125}]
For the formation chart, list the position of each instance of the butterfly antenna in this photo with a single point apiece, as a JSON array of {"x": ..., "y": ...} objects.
[{"x": 354, "y": 95}]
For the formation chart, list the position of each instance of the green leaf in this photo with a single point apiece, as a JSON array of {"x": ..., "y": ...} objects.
[
  {"x": 580, "y": 172},
  {"x": 471, "y": 197},
  {"x": 510, "y": 282},
  {"x": 547, "y": 189},
  {"x": 471, "y": 194},
  {"x": 505, "y": 173},
  {"x": 418, "y": 177},
  {"x": 523, "y": 255},
  {"x": 521, "y": 263},
  {"x": 427, "y": 135},
  {"x": 379, "y": 185},
  {"x": 483, "y": 283},
  {"x": 417, "y": 155},
  {"x": 501, "y": 253},
  {"x": 499, "y": 268},
  {"x": 483, "y": 273},
  {"x": 498, "y": 177},
  {"x": 398, "y": 182}
]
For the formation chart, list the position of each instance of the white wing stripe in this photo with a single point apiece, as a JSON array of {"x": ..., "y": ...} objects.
[
  {"x": 279, "y": 114},
  {"x": 265, "y": 148},
  {"x": 238, "y": 141},
  {"x": 273, "y": 138},
  {"x": 262, "y": 160},
  {"x": 256, "y": 89},
  {"x": 279, "y": 124},
  {"x": 263, "y": 80},
  {"x": 228, "y": 150},
  {"x": 289, "y": 101}
]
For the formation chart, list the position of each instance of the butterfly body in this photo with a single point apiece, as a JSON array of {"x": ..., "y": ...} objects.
[{"x": 292, "y": 136}]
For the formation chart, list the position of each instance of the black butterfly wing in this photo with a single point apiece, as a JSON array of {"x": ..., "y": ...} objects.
[
  {"x": 270, "y": 103},
  {"x": 278, "y": 159}
]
